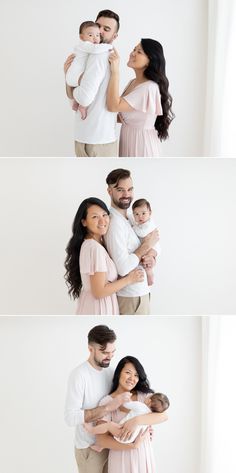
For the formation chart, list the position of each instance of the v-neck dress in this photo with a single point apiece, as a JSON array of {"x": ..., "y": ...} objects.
[
  {"x": 138, "y": 137},
  {"x": 95, "y": 259}
]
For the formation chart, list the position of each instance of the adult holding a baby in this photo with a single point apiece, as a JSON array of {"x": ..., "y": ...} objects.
[
  {"x": 96, "y": 134},
  {"x": 135, "y": 457},
  {"x": 145, "y": 105}
]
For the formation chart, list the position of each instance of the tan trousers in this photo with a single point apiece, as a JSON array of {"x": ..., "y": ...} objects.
[
  {"x": 108, "y": 150},
  {"x": 134, "y": 305},
  {"x": 89, "y": 461}
]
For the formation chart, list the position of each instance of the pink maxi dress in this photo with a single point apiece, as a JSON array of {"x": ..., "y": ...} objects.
[
  {"x": 139, "y": 460},
  {"x": 138, "y": 137},
  {"x": 95, "y": 259}
]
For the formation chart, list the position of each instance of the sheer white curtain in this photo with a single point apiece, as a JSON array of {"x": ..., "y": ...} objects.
[
  {"x": 219, "y": 394},
  {"x": 221, "y": 79}
]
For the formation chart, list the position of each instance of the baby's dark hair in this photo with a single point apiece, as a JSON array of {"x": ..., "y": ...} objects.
[
  {"x": 86, "y": 24},
  {"x": 140, "y": 202},
  {"x": 159, "y": 402}
]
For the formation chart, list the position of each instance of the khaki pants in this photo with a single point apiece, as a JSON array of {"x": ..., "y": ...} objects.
[
  {"x": 89, "y": 461},
  {"x": 134, "y": 305},
  {"x": 108, "y": 150}
]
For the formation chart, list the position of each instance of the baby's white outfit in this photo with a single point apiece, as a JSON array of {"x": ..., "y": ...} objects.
[
  {"x": 136, "y": 408},
  {"x": 82, "y": 51},
  {"x": 143, "y": 229}
]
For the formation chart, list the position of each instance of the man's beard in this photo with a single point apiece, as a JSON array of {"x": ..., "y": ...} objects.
[
  {"x": 123, "y": 205},
  {"x": 102, "y": 364}
]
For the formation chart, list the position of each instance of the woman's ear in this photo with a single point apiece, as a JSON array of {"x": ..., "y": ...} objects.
[{"x": 84, "y": 222}]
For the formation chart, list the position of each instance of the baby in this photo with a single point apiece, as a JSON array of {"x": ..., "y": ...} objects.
[
  {"x": 89, "y": 43},
  {"x": 144, "y": 224},
  {"x": 157, "y": 402}
]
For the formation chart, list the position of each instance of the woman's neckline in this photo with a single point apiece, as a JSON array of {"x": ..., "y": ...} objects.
[{"x": 138, "y": 85}]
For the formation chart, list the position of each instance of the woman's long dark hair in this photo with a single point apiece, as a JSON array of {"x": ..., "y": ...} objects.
[
  {"x": 142, "y": 385},
  {"x": 156, "y": 71},
  {"x": 72, "y": 275}
]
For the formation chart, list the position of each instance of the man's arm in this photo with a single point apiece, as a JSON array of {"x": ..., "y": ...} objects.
[
  {"x": 117, "y": 241},
  {"x": 74, "y": 412},
  {"x": 92, "y": 78}
]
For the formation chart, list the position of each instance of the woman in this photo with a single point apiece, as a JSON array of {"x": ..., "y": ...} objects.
[
  {"x": 145, "y": 105},
  {"x": 130, "y": 377},
  {"x": 90, "y": 273}
]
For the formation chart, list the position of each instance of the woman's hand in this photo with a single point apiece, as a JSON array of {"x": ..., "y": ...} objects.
[
  {"x": 128, "y": 428},
  {"x": 152, "y": 238},
  {"x": 114, "y": 60},
  {"x": 68, "y": 62},
  {"x": 137, "y": 275}
]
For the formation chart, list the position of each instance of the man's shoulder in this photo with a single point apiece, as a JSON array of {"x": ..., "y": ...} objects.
[{"x": 80, "y": 370}]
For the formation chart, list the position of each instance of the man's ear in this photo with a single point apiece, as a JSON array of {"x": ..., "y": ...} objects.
[
  {"x": 109, "y": 190},
  {"x": 115, "y": 36}
]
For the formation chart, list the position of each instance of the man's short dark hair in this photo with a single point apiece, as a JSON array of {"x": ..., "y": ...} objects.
[
  {"x": 102, "y": 335},
  {"x": 87, "y": 24},
  {"x": 116, "y": 175},
  {"x": 110, "y": 14},
  {"x": 140, "y": 203}
]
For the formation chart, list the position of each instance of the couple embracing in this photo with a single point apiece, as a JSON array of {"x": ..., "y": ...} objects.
[
  {"x": 112, "y": 411},
  {"x": 108, "y": 267}
]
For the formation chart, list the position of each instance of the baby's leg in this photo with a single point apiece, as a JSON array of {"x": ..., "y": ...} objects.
[
  {"x": 83, "y": 111},
  {"x": 75, "y": 105},
  {"x": 150, "y": 276}
]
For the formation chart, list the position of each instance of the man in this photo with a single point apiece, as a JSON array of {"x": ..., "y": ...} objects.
[
  {"x": 88, "y": 384},
  {"x": 124, "y": 246},
  {"x": 96, "y": 134}
]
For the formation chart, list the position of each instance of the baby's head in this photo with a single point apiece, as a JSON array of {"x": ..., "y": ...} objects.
[
  {"x": 141, "y": 211},
  {"x": 89, "y": 31},
  {"x": 157, "y": 402}
]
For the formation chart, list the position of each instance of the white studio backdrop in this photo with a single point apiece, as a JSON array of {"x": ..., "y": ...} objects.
[
  {"x": 36, "y": 357},
  {"x": 193, "y": 204},
  {"x": 36, "y": 37}
]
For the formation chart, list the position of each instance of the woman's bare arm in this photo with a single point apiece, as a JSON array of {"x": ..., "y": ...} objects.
[
  {"x": 115, "y": 103},
  {"x": 101, "y": 288},
  {"x": 106, "y": 441},
  {"x": 145, "y": 419}
]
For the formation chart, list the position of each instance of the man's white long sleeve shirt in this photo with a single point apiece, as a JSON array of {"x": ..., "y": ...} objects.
[
  {"x": 121, "y": 242},
  {"x": 86, "y": 387}
]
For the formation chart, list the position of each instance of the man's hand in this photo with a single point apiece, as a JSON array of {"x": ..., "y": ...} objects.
[
  {"x": 128, "y": 428},
  {"x": 68, "y": 62}
]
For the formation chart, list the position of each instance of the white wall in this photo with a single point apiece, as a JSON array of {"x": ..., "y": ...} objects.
[
  {"x": 36, "y": 356},
  {"x": 193, "y": 202},
  {"x": 36, "y": 37}
]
